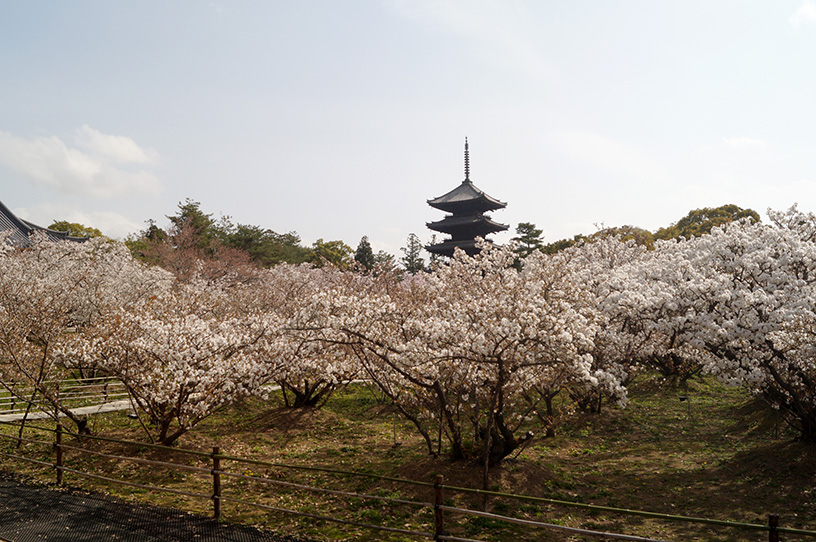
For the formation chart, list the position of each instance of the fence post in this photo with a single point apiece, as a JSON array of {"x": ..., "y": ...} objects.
[
  {"x": 439, "y": 519},
  {"x": 216, "y": 482},
  {"x": 58, "y": 447},
  {"x": 773, "y": 523}
]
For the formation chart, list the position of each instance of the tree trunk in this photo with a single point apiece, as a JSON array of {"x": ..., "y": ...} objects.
[
  {"x": 548, "y": 401},
  {"x": 808, "y": 429}
]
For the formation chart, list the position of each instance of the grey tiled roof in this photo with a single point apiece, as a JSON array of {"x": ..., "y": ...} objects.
[{"x": 21, "y": 230}]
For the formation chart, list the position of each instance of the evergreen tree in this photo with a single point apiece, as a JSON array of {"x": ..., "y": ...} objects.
[
  {"x": 412, "y": 261},
  {"x": 194, "y": 221},
  {"x": 528, "y": 238},
  {"x": 364, "y": 255}
]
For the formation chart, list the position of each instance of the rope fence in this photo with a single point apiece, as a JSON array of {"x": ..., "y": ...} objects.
[{"x": 441, "y": 513}]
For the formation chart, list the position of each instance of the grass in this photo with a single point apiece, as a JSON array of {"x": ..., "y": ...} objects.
[{"x": 717, "y": 453}]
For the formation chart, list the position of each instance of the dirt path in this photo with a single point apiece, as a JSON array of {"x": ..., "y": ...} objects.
[{"x": 30, "y": 512}]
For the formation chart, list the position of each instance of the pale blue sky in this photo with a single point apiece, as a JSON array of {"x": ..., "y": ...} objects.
[{"x": 339, "y": 119}]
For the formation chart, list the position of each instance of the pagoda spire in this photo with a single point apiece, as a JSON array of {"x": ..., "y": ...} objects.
[{"x": 467, "y": 162}]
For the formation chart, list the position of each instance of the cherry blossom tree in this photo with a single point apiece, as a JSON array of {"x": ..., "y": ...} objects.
[
  {"x": 303, "y": 355},
  {"x": 182, "y": 354},
  {"x": 740, "y": 301},
  {"x": 50, "y": 290},
  {"x": 457, "y": 348},
  {"x": 601, "y": 265}
]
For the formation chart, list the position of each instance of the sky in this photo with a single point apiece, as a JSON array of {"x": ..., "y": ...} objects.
[{"x": 339, "y": 120}]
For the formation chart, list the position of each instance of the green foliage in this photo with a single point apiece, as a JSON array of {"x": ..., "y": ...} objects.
[
  {"x": 75, "y": 229},
  {"x": 412, "y": 261},
  {"x": 153, "y": 232},
  {"x": 627, "y": 233},
  {"x": 336, "y": 253},
  {"x": 696, "y": 223},
  {"x": 140, "y": 244},
  {"x": 558, "y": 246},
  {"x": 201, "y": 224},
  {"x": 266, "y": 247},
  {"x": 364, "y": 254},
  {"x": 701, "y": 221},
  {"x": 528, "y": 238}
]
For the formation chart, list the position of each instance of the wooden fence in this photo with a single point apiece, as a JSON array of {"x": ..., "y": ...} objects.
[
  {"x": 20, "y": 397},
  {"x": 212, "y": 467}
]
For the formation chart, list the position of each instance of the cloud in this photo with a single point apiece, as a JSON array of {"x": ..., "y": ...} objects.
[
  {"x": 805, "y": 14},
  {"x": 94, "y": 164},
  {"x": 119, "y": 149},
  {"x": 744, "y": 143}
]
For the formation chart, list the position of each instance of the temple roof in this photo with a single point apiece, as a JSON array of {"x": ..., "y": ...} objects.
[
  {"x": 21, "y": 230},
  {"x": 466, "y": 198},
  {"x": 478, "y": 223}
]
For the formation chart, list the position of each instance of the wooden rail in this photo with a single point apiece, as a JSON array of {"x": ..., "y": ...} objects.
[{"x": 16, "y": 397}]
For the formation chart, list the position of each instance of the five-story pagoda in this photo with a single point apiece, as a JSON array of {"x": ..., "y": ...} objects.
[{"x": 466, "y": 221}]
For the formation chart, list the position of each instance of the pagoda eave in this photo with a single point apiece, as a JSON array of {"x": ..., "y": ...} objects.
[
  {"x": 473, "y": 229},
  {"x": 466, "y": 199}
]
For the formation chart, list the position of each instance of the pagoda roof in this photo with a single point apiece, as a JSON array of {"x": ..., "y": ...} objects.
[
  {"x": 21, "y": 230},
  {"x": 456, "y": 223},
  {"x": 466, "y": 197}
]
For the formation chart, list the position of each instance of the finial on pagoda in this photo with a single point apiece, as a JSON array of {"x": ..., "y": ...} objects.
[{"x": 467, "y": 161}]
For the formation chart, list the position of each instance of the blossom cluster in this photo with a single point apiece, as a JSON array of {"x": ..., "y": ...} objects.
[{"x": 468, "y": 352}]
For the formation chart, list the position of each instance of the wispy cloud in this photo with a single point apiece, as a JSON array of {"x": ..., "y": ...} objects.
[
  {"x": 120, "y": 149},
  {"x": 91, "y": 164},
  {"x": 805, "y": 14}
]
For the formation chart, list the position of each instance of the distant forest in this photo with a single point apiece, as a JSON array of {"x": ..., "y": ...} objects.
[{"x": 195, "y": 234}]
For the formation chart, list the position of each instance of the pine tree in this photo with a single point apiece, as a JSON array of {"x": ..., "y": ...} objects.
[
  {"x": 528, "y": 238},
  {"x": 364, "y": 255},
  {"x": 412, "y": 261}
]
